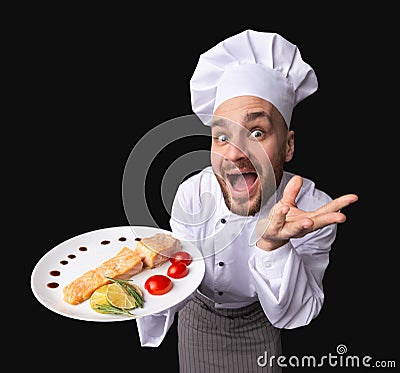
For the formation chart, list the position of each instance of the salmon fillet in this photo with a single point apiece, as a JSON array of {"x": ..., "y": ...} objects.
[
  {"x": 157, "y": 249},
  {"x": 123, "y": 265}
]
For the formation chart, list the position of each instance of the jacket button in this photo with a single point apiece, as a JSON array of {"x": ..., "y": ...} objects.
[
  {"x": 221, "y": 264},
  {"x": 220, "y": 293},
  {"x": 223, "y": 221}
]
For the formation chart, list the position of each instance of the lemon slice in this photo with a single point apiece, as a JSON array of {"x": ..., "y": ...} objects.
[
  {"x": 98, "y": 298},
  {"x": 118, "y": 297}
]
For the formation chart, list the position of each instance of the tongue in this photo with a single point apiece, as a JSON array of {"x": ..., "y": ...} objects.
[{"x": 245, "y": 181}]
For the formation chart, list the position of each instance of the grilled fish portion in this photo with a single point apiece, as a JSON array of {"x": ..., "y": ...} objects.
[
  {"x": 157, "y": 249},
  {"x": 123, "y": 265}
]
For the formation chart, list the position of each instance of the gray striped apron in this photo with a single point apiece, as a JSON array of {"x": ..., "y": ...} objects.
[{"x": 215, "y": 340}]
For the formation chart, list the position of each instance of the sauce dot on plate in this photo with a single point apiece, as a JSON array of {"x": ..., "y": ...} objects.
[{"x": 52, "y": 285}]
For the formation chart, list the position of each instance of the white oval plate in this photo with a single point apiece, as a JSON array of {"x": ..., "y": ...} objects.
[{"x": 75, "y": 256}]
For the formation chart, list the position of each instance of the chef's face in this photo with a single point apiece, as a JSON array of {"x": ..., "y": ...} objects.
[{"x": 250, "y": 144}]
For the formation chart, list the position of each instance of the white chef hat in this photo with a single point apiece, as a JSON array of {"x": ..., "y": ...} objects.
[{"x": 254, "y": 63}]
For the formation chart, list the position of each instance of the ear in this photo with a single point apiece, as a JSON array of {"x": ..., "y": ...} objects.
[{"x": 289, "y": 146}]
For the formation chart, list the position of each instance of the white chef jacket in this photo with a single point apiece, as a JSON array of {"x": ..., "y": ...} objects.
[{"x": 286, "y": 281}]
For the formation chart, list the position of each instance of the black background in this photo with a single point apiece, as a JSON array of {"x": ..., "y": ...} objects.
[{"x": 89, "y": 83}]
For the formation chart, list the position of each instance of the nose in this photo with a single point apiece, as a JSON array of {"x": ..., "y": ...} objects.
[{"x": 234, "y": 152}]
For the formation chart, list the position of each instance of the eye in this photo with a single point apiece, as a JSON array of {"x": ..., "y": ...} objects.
[
  {"x": 222, "y": 138},
  {"x": 256, "y": 134}
]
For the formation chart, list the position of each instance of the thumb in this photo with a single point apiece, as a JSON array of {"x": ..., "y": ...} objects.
[{"x": 292, "y": 190}]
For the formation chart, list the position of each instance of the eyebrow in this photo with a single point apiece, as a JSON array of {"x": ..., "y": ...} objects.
[
  {"x": 247, "y": 118},
  {"x": 219, "y": 123},
  {"x": 250, "y": 117}
]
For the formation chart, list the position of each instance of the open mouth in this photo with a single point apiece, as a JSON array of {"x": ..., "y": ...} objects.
[{"x": 242, "y": 183}]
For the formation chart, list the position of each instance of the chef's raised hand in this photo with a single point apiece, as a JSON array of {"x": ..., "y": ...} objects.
[{"x": 286, "y": 221}]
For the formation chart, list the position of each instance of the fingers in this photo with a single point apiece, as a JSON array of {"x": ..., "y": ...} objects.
[
  {"x": 280, "y": 226},
  {"x": 323, "y": 220},
  {"x": 337, "y": 204},
  {"x": 275, "y": 227},
  {"x": 330, "y": 213},
  {"x": 292, "y": 190}
]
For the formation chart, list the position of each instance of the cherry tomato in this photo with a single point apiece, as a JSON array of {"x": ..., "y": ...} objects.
[
  {"x": 181, "y": 256},
  {"x": 177, "y": 270},
  {"x": 158, "y": 284}
]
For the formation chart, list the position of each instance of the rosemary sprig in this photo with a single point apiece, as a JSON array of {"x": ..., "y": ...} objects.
[
  {"x": 108, "y": 308},
  {"x": 130, "y": 290}
]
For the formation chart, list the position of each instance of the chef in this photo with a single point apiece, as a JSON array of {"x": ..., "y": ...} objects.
[{"x": 265, "y": 234}]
